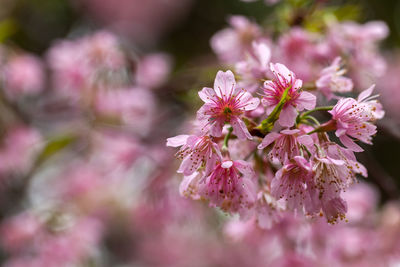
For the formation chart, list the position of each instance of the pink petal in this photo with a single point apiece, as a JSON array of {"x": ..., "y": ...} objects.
[
  {"x": 245, "y": 168},
  {"x": 366, "y": 93},
  {"x": 282, "y": 74},
  {"x": 187, "y": 180},
  {"x": 268, "y": 139},
  {"x": 224, "y": 83},
  {"x": 263, "y": 53},
  {"x": 216, "y": 128},
  {"x": 240, "y": 129},
  {"x": 288, "y": 116},
  {"x": 350, "y": 144},
  {"x": 207, "y": 94},
  {"x": 252, "y": 103},
  {"x": 178, "y": 140},
  {"x": 306, "y": 100},
  {"x": 306, "y": 140}
]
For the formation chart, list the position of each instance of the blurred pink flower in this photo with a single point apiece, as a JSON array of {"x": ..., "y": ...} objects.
[
  {"x": 20, "y": 146},
  {"x": 144, "y": 22},
  {"x": 133, "y": 106},
  {"x": 331, "y": 80},
  {"x": 231, "y": 44},
  {"x": 23, "y": 75},
  {"x": 19, "y": 231},
  {"x": 153, "y": 70},
  {"x": 254, "y": 67}
]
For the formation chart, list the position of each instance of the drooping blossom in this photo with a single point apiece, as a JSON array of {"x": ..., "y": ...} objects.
[
  {"x": 331, "y": 178},
  {"x": 331, "y": 80},
  {"x": 225, "y": 104},
  {"x": 195, "y": 151},
  {"x": 231, "y": 186},
  {"x": 23, "y": 75},
  {"x": 353, "y": 119},
  {"x": 230, "y": 44},
  {"x": 296, "y": 100},
  {"x": 294, "y": 183},
  {"x": 335, "y": 151},
  {"x": 286, "y": 144},
  {"x": 254, "y": 67}
]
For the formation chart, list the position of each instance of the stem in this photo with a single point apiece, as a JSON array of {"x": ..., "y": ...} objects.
[
  {"x": 267, "y": 124},
  {"x": 326, "y": 127},
  {"x": 312, "y": 119},
  {"x": 226, "y": 139},
  {"x": 316, "y": 109}
]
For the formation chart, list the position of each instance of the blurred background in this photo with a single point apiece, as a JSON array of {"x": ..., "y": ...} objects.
[{"x": 91, "y": 89}]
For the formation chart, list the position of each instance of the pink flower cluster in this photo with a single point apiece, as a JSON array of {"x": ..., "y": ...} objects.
[{"x": 310, "y": 172}]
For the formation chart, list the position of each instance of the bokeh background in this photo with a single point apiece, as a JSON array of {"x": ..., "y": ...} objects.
[{"x": 101, "y": 191}]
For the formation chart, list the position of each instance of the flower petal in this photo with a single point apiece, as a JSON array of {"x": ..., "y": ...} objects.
[
  {"x": 224, "y": 84},
  {"x": 288, "y": 116},
  {"x": 306, "y": 100},
  {"x": 178, "y": 140}
]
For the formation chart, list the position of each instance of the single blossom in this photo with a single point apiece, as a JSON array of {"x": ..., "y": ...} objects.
[
  {"x": 195, "y": 151},
  {"x": 331, "y": 80},
  {"x": 225, "y": 104},
  {"x": 331, "y": 178},
  {"x": 353, "y": 119},
  {"x": 294, "y": 183},
  {"x": 286, "y": 144},
  {"x": 231, "y": 186},
  {"x": 296, "y": 99}
]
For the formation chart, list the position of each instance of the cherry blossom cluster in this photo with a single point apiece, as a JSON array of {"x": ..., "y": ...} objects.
[{"x": 294, "y": 162}]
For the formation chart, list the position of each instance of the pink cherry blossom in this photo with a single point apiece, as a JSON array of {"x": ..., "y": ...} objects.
[
  {"x": 231, "y": 186},
  {"x": 286, "y": 144},
  {"x": 331, "y": 80},
  {"x": 195, "y": 151},
  {"x": 353, "y": 119},
  {"x": 297, "y": 100},
  {"x": 225, "y": 104},
  {"x": 294, "y": 183},
  {"x": 331, "y": 178}
]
